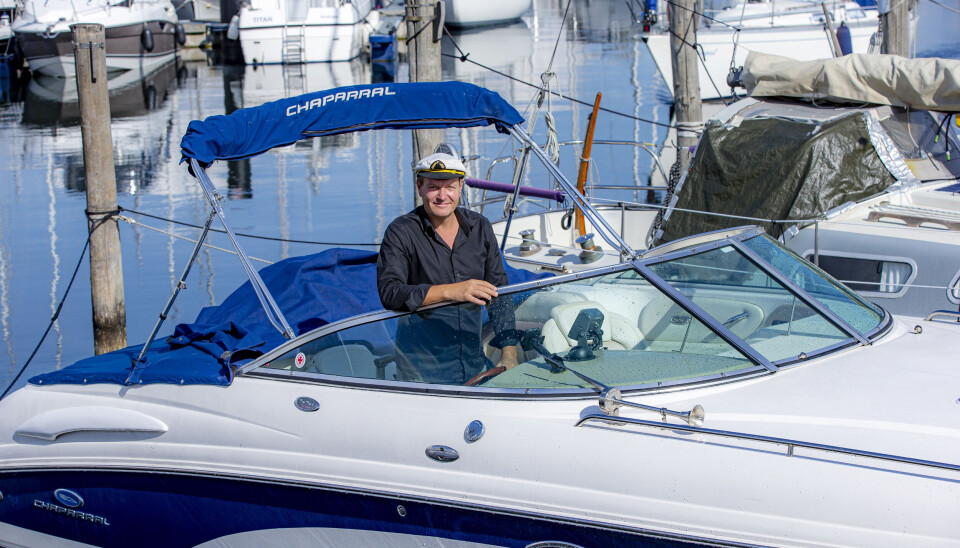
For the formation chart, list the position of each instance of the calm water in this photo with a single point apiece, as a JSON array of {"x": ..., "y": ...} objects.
[{"x": 340, "y": 189}]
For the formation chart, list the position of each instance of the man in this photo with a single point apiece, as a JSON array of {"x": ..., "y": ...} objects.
[{"x": 439, "y": 252}]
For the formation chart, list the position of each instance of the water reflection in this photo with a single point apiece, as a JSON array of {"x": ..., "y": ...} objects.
[
  {"x": 53, "y": 102},
  {"x": 139, "y": 124},
  {"x": 238, "y": 171},
  {"x": 508, "y": 48}
]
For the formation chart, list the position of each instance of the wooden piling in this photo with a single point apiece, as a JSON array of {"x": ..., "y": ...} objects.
[
  {"x": 895, "y": 27},
  {"x": 687, "y": 105},
  {"x": 424, "y": 30},
  {"x": 106, "y": 272}
]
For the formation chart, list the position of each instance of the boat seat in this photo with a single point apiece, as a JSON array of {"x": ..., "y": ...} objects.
[
  {"x": 538, "y": 306},
  {"x": 351, "y": 360},
  {"x": 618, "y": 332},
  {"x": 663, "y": 320}
]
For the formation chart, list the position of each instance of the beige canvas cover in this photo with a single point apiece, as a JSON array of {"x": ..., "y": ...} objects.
[{"x": 926, "y": 83}]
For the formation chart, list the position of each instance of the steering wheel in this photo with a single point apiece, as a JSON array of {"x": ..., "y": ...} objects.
[{"x": 484, "y": 375}]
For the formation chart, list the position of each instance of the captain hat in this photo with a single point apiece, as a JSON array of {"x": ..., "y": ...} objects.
[{"x": 440, "y": 165}]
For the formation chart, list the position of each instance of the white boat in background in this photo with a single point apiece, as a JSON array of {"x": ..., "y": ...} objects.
[
  {"x": 791, "y": 28},
  {"x": 8, "y": 13},
  {"x": 199, "y": 10},
  {"x": 139, "y": 33},
  {"x": 715, "y": 391},
  {"x": 304, "y": 31},
  {"x": 471, "y": 13}
]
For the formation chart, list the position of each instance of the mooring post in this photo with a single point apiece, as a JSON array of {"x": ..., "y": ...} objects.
[
  {"x": 894, "y": 23},
  {"x": 106, "y": 272},
  {"x": 686, "y": 77},
  {"x": 425, "y": 21}
]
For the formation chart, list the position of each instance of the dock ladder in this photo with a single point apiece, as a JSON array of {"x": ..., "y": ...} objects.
[{"x": 293, "y": 44}]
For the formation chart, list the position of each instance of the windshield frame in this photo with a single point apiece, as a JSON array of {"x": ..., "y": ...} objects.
[{"x": 761, "y": 365}]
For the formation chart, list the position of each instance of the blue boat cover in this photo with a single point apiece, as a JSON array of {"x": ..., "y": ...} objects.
[
  {"x": 251, "y": 131},
  {"x": 311, "y": 290}
]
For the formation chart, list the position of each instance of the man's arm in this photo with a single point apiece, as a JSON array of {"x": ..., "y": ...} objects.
[
  {"x": 500, "y": 308},
  {"x": 474, "y": 291},
  {"x": 393, "y": 268}
]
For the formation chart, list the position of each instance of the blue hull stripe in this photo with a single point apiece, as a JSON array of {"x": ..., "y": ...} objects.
[{"x": 168, "y": 510}]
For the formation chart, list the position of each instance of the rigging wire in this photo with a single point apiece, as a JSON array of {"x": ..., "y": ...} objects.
[
  {"x": 945, "y": 6},
  {"x": 705, "y": 16},
  {"x": 253, "y": 236},
  {"x": 554, "y": 93}
]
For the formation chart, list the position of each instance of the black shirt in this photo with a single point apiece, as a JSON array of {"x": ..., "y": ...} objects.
[{"x": 441, "y": 345}]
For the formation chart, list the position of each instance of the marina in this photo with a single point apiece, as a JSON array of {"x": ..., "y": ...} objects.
[{"x": 750, "y": 358}]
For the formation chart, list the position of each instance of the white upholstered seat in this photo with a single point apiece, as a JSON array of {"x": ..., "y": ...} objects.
[{"x": 618, "y": 332}]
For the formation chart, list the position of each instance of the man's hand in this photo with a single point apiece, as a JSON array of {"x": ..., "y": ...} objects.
[
  {"x": 473, "y": 291},
  {"x": 509, "y": 357}
]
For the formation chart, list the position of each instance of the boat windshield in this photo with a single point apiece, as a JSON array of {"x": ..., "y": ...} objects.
[{"x": 638, "y": 325}]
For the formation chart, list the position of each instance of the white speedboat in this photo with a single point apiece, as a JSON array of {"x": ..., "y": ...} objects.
[
  {"x": 140, "y": 34},
  {"x": 298, "y": 31},
  {"x": 715, "y": 391},
  {"x": 791, "y": 28},
  {"x": 468, "y": 13}
]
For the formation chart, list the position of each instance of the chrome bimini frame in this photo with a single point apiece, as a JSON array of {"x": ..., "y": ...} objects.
[{"x": 273, "y": 312}]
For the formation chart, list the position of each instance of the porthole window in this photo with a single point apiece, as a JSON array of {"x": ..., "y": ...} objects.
[{"x": 885, "y": 277}]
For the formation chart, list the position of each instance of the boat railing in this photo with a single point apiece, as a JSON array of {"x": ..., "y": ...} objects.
[
  {"x": 943, "y": 313},
  {"x": 790, "y": 444},
  {"x": 504, "y": 198}
]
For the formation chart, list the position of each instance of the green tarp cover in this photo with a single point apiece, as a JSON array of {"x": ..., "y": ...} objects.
[{"x": 774, "y": 168}]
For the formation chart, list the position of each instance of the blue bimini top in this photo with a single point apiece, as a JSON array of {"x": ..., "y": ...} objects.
[{"x": 423, "y": 105}]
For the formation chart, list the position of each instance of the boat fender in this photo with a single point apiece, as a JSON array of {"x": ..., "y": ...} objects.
[
  {"x": 181, "y": 34},
  {"x": 843, "y": 36},
  {"x": 233, "y": 31},
  {"x": 146, "y": 39}
]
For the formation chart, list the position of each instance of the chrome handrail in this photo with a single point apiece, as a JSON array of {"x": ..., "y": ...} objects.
[
  {"x": 790, "y": 443},
  {"x": 947, "y": 313}
]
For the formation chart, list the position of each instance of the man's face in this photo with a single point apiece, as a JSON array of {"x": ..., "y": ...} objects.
[{"x": 440, "y": 196}]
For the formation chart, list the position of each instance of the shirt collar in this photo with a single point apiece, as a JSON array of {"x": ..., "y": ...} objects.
[{"x": 467, "y": 223}]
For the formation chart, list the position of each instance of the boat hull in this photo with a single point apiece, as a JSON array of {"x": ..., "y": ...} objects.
[
  {"x": 268, "y": 35},
  {"x": 468, "y": 13},
  {"x": 53, "y": 54},
  {"x": 803, "y": 43},
  {"x": 144, "y": 508}
]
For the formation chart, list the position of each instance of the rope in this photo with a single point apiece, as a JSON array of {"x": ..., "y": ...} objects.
[
  {"x": 106, "y": 216},
  {"x": 671, "y": 188},
  {"x": 552, "y": 147}
]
